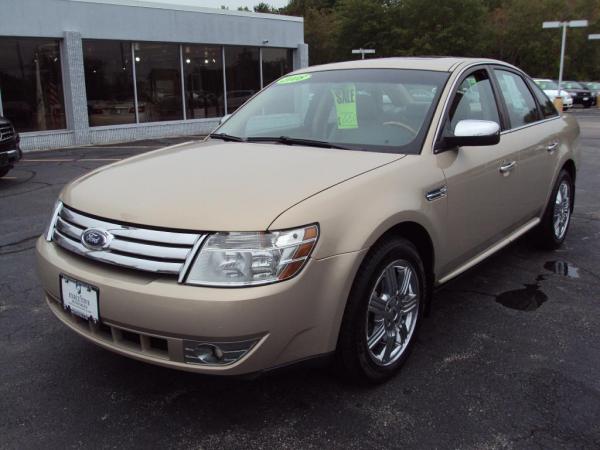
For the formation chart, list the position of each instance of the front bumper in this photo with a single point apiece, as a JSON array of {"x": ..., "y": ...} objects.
[{"x": 291, "y": 320}]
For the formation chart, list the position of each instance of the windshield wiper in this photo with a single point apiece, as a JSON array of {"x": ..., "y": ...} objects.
[
  {"x": 296, "y": 141},
  {"x": 226, "y": 137}
]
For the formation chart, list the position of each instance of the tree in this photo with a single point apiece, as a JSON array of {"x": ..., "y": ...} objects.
[{"x": 265, "y": 8}]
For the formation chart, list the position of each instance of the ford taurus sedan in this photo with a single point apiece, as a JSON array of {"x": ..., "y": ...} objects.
[{"x": 315, "y": 221}]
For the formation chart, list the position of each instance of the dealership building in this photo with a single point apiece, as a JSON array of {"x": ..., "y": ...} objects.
[{"x": 77, "y": 72}]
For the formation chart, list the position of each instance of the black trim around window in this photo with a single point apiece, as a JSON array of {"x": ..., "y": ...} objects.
[
  {"x": 526, "y": 80},
  {"x": 439, "y": 146}
]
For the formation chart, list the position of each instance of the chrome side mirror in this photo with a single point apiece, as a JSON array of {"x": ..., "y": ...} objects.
[{"x": 474, "y": 133}]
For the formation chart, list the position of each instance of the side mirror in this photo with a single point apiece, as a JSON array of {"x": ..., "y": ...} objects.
[
  {"x": 224, "y": 119},
  {"x": 474, "y": 133}
]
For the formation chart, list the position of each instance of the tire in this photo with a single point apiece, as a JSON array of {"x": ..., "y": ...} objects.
[
  {"x": 371, "y": 308},
  {"x": 550, "y": 235},
  {"x": 4, "y": 171}
]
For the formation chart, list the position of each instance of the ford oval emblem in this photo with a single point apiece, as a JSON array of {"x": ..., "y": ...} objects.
[{"x": 96, "y": 239}]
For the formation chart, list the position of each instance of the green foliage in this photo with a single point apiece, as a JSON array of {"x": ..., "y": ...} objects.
[{"x": 510, "y": 30}]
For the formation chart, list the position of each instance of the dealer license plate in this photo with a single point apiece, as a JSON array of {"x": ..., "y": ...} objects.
[{"x": 79, "y": 298}]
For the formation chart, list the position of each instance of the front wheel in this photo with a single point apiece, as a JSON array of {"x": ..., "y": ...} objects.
[
  {"x": 384, "y": 309},
  {"x": 553, "y": 228},
  {"x": 4, "y": 171}
]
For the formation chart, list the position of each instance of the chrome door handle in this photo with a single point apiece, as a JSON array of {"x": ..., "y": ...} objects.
[
  {"x": 553, "y": 146},
  {"x": 506, "y": 168}
]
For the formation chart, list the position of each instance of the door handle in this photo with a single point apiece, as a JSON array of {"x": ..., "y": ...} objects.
[
  {"x": 507, "y": 167},
  {"x": 552, "y": 146}
]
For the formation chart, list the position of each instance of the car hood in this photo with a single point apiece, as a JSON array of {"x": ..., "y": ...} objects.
[{"x": 215, "y": 185}]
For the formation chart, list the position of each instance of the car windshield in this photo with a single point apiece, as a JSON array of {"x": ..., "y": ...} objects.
[
  {"x": 593, "y": 85},
  {"x": 382, "y": 110},
  {"x": 546, "y": 85},
  {"x": 572, "y": 85}
]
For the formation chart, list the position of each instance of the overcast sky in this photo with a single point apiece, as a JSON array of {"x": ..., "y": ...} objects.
[{"x": 232, "y": 4}]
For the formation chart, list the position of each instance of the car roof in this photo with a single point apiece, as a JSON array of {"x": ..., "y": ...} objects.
[{"x": 434, "y": 63}]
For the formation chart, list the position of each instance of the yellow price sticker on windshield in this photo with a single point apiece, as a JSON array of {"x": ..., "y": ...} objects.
[
  {"x": 294, "y": 78},
  {"x": 345, "y": 106}
]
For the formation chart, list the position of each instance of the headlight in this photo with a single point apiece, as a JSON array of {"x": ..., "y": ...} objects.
[
  {"x": 249, "y": 259},
  {"x": 50, "y": 228}
]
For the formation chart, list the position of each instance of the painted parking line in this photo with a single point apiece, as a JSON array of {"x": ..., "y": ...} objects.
[
  {"x": 123, "y": 147},
  {"x": 9, "y": 178},
  {"x": 70, "y": 160},
  {"x": 101, "y": 159},
  {"x": 47, "y": 160}
]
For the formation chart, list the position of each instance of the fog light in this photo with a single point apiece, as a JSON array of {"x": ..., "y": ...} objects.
[{"x": 215, "y": 353}]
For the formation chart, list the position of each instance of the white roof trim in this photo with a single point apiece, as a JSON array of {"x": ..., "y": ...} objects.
[{"x": 190, "y": 8}]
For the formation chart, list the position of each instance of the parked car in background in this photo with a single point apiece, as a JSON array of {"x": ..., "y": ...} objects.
[
  {"x": 550, "y": 88},
  {"x": 316, "y": 231},
  {"x": 10, "y": 152},
  {"x": 594, "y": 87},
  {"x": 581, "y": 95}
]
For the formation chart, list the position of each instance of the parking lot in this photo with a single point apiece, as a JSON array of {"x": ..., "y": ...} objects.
[{"x": 509, "y": 357}]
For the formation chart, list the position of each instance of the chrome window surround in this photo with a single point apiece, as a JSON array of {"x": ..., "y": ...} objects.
[
  {"x": 454, "y": 85},
  {"x": 145, "y": 249}
]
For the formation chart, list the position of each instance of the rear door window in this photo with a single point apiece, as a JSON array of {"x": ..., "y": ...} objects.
[
  {"x": 548, "y": 109},
  {"x": 520, "y": 105}
]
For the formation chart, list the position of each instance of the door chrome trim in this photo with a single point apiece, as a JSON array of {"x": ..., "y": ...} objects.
[
  {"x": 491, "y": 250},
  {"x": 436, "y": 194},
  {"x": 506, "y": 168},
  {"x": 552, "y": 146}
]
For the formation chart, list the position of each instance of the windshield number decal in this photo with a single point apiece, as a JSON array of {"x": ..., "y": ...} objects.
[{"x": 294, "y": 78}]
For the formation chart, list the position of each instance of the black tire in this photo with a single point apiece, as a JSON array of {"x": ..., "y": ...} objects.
[
  {"x": 354, "y": 360},
  {"x": 545, "y": 234},
  {"x": 4, "y": 171}
]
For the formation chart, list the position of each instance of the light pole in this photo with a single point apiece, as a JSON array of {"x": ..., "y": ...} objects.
[
  {"x": 564, "y": 25},
  {"x": 363, "y": 52}
]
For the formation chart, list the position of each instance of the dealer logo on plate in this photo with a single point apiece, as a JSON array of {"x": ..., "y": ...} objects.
[{"x": 96, "y": 239}]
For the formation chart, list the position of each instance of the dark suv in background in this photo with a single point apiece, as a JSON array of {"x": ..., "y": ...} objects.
[
  {"x": 581, "y": 95},
  {"x": 10, "y": 152}
]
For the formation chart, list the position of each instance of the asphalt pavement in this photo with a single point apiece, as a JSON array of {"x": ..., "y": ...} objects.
[{"x": 509, "y": 357}]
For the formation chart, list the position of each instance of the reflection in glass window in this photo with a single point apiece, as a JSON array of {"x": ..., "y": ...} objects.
[
  {"x": 276, "y": 62},
  {"x": 519, "y": 101},
  {"x": 548, "y": 108},
  {"x": 109, "y": 82},
  {"x": 31, "y": 83},
  {"x": 158, "y": 78},
  {"x": 474, "y": 100},
  {"x": 203, "y": 72},
  {"x": 243, "y": 75}
]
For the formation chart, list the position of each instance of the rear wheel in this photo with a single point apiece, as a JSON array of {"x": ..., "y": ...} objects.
[
  {"x": 552, "y": 231},
  {"x": 383, "y": 312}
]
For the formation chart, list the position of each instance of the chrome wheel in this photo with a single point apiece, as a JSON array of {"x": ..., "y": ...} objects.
[
  {"x": 562, "y": 209},
  {"x": 392, "y": 312}
]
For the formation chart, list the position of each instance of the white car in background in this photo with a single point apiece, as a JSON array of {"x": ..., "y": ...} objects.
[{"x": 550, "y": 88}]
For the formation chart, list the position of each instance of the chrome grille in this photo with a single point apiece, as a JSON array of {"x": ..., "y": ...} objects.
[
  {"x": 6, "y": 132},
  {"x": 168, "y": 252}
]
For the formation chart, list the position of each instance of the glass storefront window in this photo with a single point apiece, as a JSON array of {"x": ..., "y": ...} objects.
[
  {"x": 108, "y": 82},
  {"x": 276, "y": 62},
  {"x": 158, "y": 80},
  {"x": 31, "y": 83},
  {"x": 242, "y": 69},
  {"x": 203, "y": 80}
]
